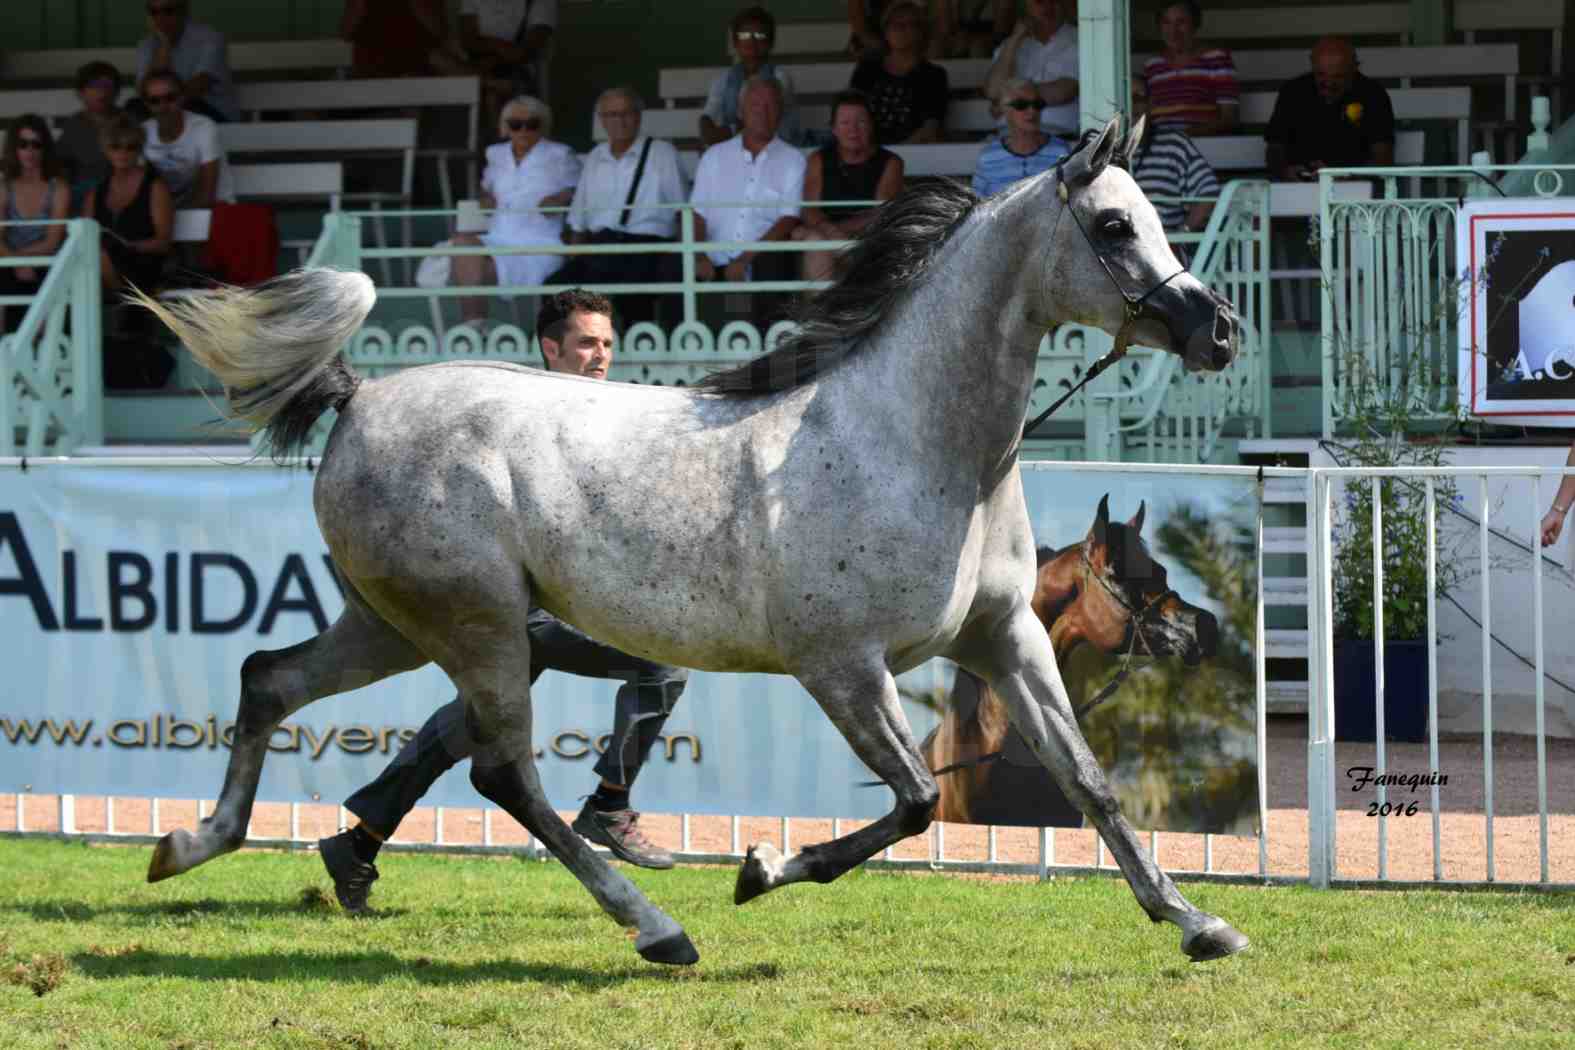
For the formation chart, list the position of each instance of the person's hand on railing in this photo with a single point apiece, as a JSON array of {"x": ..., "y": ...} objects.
[
  {"x": 705, "y": 269},
  {"x": 1553, "y": 524},
  {"x": 737, "y": 271}
]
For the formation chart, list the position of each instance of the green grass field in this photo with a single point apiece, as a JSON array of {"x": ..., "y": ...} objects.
[{"x": 246, "y": 952}]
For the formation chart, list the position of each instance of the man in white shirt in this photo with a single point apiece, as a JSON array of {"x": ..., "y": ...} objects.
[
  {"x": 183, "y": 147},
  {"x": 1042, "y": 49},
  {"x": 614, "y": 203},
  {"x": 757, "y": 168},
  {"x": 192, "y": 51}
]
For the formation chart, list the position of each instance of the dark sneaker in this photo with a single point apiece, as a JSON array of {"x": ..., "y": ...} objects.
[
  {"x": 353, "y": 877},
  {"x": 619, "y": 831}
]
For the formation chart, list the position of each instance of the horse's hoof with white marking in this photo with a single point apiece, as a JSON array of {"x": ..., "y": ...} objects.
[
  {"x": 1213, "y": 941},
  {"x": 761, "y": 870},
  {"x": 172, "y": 855},
  {"x": 675, "y": 949}
]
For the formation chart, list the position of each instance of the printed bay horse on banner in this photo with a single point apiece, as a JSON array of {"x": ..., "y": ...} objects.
[
  {"x": 1106, "y": 591},
  {"x": 840, "y": 509}
]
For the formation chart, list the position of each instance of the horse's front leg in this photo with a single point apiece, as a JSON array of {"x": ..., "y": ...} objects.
[
  {"x": 1016, "y": 659},
  {"x": 864, "y": 705}
]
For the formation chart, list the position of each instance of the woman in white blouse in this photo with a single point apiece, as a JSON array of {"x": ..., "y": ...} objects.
[{"x": 525, "y": 173}]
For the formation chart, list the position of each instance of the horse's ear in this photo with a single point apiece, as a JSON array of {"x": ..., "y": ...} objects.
[
  {"x": 1134, "y": 139},
  {"x": 1105, "y": 147},
  {"x": 1136, "y": 524},
  {"x": 1101, "y": 517}
]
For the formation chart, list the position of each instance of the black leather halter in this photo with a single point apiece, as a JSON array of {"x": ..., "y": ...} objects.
[{"x": 1134, "y": 304}]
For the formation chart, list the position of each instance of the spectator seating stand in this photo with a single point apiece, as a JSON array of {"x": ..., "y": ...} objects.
[
  {"x": 340, "y": 139},
  {"x": 249, "y": 59}
]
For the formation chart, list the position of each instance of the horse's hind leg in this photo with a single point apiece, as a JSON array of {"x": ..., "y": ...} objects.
[
  {"x": 359, "y": 649},
  {"x": 865, "y": 707},
  {"x": 1017, "y": 660}
]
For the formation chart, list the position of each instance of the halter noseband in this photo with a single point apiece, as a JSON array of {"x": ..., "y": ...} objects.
[
  {"x": 1137, "y": 617},
  {"x": 1134, "y": 305}
]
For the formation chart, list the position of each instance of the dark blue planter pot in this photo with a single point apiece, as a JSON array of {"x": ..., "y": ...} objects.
[{"x": 1405, "y": 691}]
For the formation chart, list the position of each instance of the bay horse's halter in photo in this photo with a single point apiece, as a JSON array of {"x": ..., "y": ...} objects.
[
  {"x": 1134, "y": 304},
  {"x": 1137, "y": 616}
]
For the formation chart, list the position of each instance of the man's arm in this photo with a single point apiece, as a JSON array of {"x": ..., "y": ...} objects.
[
  {"x": 1001, "y": 70},
  {"x": 1058, "y": 91}
]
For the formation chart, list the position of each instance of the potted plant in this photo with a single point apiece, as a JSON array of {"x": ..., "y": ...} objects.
[{"x": 1385, "y": 434}]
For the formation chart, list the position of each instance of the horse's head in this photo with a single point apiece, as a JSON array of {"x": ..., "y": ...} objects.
[
  {"x": 1114, "y": 264},
  {"x": 1128, "y": 603}
]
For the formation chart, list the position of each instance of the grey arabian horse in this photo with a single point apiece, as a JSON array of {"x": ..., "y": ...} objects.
[{"x": 840, "y": 509}]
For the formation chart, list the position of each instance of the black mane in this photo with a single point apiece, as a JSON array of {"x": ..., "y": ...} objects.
[{"x": 888, "y": 260}]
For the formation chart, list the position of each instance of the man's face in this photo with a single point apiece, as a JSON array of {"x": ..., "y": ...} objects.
[
  {"x": 761, "y": 112},
  {"x": 1332, "y": 72},
  {"x": 167, "y": 16},
  {"x": 1046, "y": 12},
  {"x": 586, "y": 347},
  {"x": 619, "y": 119},
  {"x": 98, "y": 96},
  {"x": 163, "y": 101}
]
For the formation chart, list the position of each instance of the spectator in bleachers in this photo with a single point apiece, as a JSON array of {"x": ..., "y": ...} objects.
[
  {"x": 1331, "y": 117},
  {"x": 134, "y": 209},
  {"x": 183, "y": 146},
  {"x": 401, "y": 38},
  {"x": 757, "y": 167},
  {"x": 525, "y": 173},
  {"x": 194, "y": 52},
  {"x": 98, "y": 86},
  {"x": 971, "y": 28},
  {"x": 511, "y": 41},
  {"x": 614, "y": 203},
  {"x": 907, "y": 92},
  {"x": 852, "y": 168},
  {"x": 1167, "y": 164},
  {"x": 33, "y": 190},
  {"x": 1025, "y": 150},
  {"x": 754, "y": 31},
  {"x": 1043, "y": 50},
  {"x": 1190, "y": 87}
]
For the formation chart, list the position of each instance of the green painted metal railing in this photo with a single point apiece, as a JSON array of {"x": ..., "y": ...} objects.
[
  {"x": 1153, "y": 409},
  {"x": 1392, "y": 283},
  {"x": 51, "y": 371}
]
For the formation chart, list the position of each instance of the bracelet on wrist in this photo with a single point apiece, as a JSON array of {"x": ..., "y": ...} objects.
[{"x": 1564, "y": 509}]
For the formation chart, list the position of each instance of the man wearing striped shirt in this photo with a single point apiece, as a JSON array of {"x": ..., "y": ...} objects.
[{"x": 1168, "y": 165}]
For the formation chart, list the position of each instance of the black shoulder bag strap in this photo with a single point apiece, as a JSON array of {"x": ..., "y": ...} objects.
[{"x": 639, "y": 171}]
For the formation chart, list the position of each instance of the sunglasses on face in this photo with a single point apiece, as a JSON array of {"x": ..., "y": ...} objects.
[
  {"x": 1021, "y": 104},
  {"x": 22, "y": 143},
  {"x": 160, "y": 100},
  {"x": 751, "y": 34},
  {"x": 528, "y": 124},
  {"x": 121, "y": 147}
]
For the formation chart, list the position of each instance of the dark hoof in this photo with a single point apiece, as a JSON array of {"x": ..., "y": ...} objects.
[
  {"x": 673, "y": 950},
  {"x": 166, "y": 862},
  {"x": 755, "y": 874},
  {"x": 1215, "y": 941}
]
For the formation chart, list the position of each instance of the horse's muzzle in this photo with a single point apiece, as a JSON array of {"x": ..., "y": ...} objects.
[{"x": 1212, "y": 344}]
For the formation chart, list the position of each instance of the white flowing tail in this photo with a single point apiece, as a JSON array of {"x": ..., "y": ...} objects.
[{"x": 275, "y": 346}]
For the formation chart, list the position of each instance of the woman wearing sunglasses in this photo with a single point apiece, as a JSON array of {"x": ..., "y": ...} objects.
[
  {"x": 1023, "y": 150},
  {"x": 525, "y": 173},
  {"x": 33, "y": 190}
]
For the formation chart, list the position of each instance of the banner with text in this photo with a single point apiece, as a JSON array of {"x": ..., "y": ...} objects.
[{"x": 130, "y": 595}]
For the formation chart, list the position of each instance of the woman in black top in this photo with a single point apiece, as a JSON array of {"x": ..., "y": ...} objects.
[
  {"x": 134, "y": 208},
  {"x": 907, "y": 92},
  {"x": 852, "y": 168}
]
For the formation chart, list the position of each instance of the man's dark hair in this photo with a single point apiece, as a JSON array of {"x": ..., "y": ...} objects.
[
  {"x": 97, "y": 70},
  {"x": 1192, "y": 7},
  {"x": 759, "y": 15},
  {"x": 553, "y": 316}
]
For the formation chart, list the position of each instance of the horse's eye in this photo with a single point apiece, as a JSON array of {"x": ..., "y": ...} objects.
[{"x": 1117, "y": 227}]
